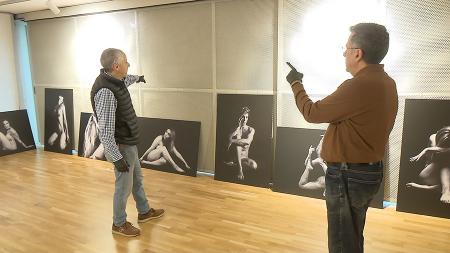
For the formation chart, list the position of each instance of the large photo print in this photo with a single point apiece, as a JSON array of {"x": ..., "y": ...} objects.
[
  {"x": 424, "y": 182},
  {"x": 244, "y": 139},
  {"x": 58, "y": 135},
  {"x": 169, "y": 145},
  {"x": 299, "y": 168},
  {"x": 15, "y": 132}
]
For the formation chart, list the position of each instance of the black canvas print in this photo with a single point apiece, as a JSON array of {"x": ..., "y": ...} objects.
[
  {"x": 89, "y": 145},
  {"x": 15, "y": 132},
  {"x": 424, "y": 182},
  {"x": 244, "y": 139},
  {"x": 58, "y": 135},
  {"x": 299, "y": 169},
  {"x": 169, "y": 145}
]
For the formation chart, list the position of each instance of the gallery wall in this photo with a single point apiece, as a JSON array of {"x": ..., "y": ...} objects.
[
  {"x": 191, "y": 52},
  {"x": 9, "y": 94}
]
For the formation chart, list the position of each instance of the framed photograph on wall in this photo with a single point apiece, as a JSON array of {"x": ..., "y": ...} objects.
[
  {"x": 244, "y": 139},
  {"x": 58, "y": 136},
  {"x": 424, "y": 181},
  {"x": 15, "y": 132},
  {"x": 169, "y": 145}
]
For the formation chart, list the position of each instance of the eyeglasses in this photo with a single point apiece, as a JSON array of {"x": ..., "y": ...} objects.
[{"x": 344, "y": 48}]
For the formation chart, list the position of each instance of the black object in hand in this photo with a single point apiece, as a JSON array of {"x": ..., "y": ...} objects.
[
  {"x": 293, "y": 75},
  {"x": 121, "y": 165},
  {"x": 141, "y": 79}
]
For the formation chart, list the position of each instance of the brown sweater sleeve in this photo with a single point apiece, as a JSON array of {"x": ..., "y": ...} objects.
[{"x": 342, "y": 104}]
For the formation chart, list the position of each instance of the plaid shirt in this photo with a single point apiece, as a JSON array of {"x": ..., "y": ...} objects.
[{"x": 105, "y": 108}]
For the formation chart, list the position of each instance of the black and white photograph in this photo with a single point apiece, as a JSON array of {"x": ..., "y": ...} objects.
[
  {"x": 169, "y": 145},
  {"x": 89, "y": 144},
  {"x": 244, "y": 139},
  {"x": 15, "y": 132},
  {"x": 424, "y": 182},
  {"x": 59, "y": 131},
  {"x": 299, "y": 168}
]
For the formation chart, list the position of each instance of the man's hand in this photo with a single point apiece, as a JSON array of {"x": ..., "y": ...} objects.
[
  {"x": 293, "y": 75},
  {"x": 121, "y": 165},
  {"x": 141, "y": 79}
]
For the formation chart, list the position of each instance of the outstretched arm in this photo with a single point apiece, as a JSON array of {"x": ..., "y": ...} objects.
[
  {"x": 175, "y": 151},
  {"x": 430, "y": 151},
  {"x": 422, "y": 186},
  {"x": 16, "y": 137}
]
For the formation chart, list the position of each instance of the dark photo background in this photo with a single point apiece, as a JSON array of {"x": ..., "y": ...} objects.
[
  {"x": 51, "y": 119},
  {"x": 187, "y": 137},
  {"x": 19, "y": 122},
  {"x": 422, "y": 119},
  {"x": 290, "y": 154},
  {"x": 229, "y": 107},
  {"x": 84, "y": 119}
]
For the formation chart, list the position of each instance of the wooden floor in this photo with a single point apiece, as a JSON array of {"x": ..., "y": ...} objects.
[{"x": 58, "y": 203}]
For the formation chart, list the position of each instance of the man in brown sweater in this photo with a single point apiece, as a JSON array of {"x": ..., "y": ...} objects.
[{"x": 361, "y": 113}]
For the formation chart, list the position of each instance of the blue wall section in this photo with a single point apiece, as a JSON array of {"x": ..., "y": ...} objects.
[{"x": 24, "y": 76}]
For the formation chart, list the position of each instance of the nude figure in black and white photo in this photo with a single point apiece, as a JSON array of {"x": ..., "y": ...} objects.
[
  {"x": 239, "y": 142},
  {"x": 59, "y": 134},
  {"x": 163, "y": 151},
  {"x": 305, "y": 181},
  {"x": 92, "y": 147},
  {"x": 10, "y": 138},
  {"x": 436, "y": 174}
]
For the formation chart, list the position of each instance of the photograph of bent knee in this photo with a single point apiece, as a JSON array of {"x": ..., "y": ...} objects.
[
  {"x": 15, "y": 132},
  {"x": 425, "y": 158},
  {"x": 169, "y": 145},
  {"x": 243, "y": 139},
  {"x": 59, "y": 121},
  {"x": 89, "y": 144}
]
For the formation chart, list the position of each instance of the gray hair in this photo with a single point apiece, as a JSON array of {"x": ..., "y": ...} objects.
[
  {"x": 109, "y": 57},
  {"x": 372, "y": 39}
]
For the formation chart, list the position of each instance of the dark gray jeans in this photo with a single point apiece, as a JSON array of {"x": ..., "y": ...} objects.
[{"x": 349, "y": 190}]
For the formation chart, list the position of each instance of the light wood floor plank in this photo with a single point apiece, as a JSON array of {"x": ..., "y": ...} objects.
[{"x": 58, "y": 203}]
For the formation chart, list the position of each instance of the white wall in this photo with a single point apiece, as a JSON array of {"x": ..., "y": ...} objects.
[{"x": 9, "y": 92}]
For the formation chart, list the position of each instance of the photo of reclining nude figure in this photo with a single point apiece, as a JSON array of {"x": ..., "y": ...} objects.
[
  {"x": 424, "y": 182},
  {"x": 15, "y": 132},
  {"x": 169, "y": 145}
]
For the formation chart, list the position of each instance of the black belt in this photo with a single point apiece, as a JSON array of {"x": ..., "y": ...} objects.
[{"x": 353, "y": 164}]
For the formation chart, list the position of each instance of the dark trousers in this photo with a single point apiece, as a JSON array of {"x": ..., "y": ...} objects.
[{"x": 349, "y": 190}]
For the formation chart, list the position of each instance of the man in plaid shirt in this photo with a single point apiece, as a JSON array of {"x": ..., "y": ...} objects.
[{"x": 119, "y": 133}]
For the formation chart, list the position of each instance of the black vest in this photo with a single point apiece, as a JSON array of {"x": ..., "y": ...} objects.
[{"x": 126, "y": 129}]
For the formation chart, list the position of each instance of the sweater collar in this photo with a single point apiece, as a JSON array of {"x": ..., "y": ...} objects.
[{"x": 370, "y": 68}]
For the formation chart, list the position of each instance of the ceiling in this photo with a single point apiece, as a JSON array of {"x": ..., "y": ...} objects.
[{"x": 24, "y": 6}]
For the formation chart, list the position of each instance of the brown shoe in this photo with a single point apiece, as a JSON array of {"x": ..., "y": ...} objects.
[
  {"x": 127, "y": 229},
  {"x": 151, "y": 214}
]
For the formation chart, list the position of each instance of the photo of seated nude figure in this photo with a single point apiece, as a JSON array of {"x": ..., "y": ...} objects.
[
  {"x": 163, "y": 151},
  {"x": 10, "y": 138},
  {"x": 60, "y": 133},
  {"x": 93, "y": 148},
  {"x": 305, "y": 181},
  {"x": 436, "y": 174},
  {"x": 239, "y": 143}
]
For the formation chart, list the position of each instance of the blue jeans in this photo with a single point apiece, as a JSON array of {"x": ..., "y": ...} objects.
[
  {"x": 349, "y": 190},
  {"x": 126, "y": 183}
]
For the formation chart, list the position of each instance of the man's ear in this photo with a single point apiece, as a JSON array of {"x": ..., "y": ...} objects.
[{"x": 359, "y": 54}]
